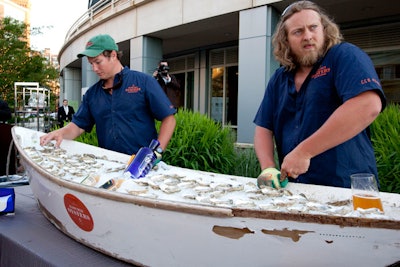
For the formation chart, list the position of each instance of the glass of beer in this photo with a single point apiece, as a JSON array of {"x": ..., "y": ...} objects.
[{"x": 365, "y": 191}]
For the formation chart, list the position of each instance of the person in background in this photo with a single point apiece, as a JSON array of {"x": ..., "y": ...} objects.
[
  {"x": 168, "y": 82},
  {"x": 319, "y": 104},
  {"x": 5, "y": 111},
  {"x": 123, "y": 104},
  {"x": 64, "y": 113},
  {"x": 7, "y": 161}
]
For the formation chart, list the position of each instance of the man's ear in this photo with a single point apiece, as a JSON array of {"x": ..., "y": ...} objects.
[{"x": 114, "y": 54}]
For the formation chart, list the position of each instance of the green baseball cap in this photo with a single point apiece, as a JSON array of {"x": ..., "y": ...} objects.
[{"x": 96, "y": 45}]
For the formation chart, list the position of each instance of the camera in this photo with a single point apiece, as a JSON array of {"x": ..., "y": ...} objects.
[{"x": 163, "y": 70}]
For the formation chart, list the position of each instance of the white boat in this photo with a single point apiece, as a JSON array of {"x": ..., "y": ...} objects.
[{"x": 220, "y": 220}]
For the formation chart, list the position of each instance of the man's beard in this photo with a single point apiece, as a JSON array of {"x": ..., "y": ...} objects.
[{"x": 309, "y": 59}]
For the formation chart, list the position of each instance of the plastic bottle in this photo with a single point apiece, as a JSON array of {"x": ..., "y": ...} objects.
[
  {"x": 143, "y": 161},
  {"x": 91, "y": 179}
]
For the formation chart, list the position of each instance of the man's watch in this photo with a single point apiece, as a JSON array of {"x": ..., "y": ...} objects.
[{"x": 159, "y": 150}]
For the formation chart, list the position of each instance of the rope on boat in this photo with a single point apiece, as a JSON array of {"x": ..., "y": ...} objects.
[
  {"x": 12, "y": 180},
  {"x": 8, "y": 157}
]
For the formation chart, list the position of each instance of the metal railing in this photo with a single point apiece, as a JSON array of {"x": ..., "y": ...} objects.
[{"x": 101, "y": 11}]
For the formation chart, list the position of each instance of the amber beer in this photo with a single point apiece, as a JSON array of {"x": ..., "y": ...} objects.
[
  {"x": 365, "y": 191},
  {"x": 366, "y": 201}
]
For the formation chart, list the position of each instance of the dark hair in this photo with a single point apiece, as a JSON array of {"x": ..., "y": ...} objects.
[
  {"x": 162, "y": 60},
  {"x": 107, "y": 53},
  {"x": 280, "y": 41}
]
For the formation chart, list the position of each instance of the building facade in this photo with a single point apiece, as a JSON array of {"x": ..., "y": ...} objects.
[
  {"x": 17, "y": 9},
  {"x": 220, "y": 51}
]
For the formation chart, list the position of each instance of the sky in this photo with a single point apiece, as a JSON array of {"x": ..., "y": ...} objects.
[{"x": 60, "y": 15}]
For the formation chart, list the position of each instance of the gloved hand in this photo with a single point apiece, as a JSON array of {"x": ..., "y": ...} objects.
[
  {"x": 158, "y": 158},
  {"x": 271, "y": 177}
]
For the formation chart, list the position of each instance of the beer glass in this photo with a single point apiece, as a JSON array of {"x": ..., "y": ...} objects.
[{"x": 365, "y": 191}]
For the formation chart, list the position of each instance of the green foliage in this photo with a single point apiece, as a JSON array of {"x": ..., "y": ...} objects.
[
  {"x": 18, "y": 63},
  {"x": 200, "y": 143},
  {"x": 385, "y": 136},
  {"x": 88, "y": 138},
  {"x": 12, "y": 49},
  {"x": 246, "y": 163}
]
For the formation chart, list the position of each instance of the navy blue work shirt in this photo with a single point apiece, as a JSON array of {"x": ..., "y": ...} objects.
[
  {"x": 345, "y": 72},
  {"x": 125, "y": 119}
]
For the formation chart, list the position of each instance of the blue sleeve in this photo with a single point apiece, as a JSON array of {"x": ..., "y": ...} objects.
[
  {"x": 160, "y": 105},
  {"x": 264, "y": 112},
  {"x": 271, "y": 100},
  {"x": 355, "y": 72},
  {"x": 82, "y": 118}
]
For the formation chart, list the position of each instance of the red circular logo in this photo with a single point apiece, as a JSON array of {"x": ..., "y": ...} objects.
[{"x": 78, "y": 212}]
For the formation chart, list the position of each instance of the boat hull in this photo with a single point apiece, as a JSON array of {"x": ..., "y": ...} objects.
[{"x": 151, "y": 232}]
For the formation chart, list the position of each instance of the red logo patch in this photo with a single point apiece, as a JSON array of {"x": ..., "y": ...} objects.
[
  {"x": 89, "y": 44},
  {"x": 322, "y": 71},
  {"x": 132, "y": 89},
  {"x": 78, "y": 212}
]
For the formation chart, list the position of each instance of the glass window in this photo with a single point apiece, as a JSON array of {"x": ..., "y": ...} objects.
[
  {"x": 224, "y": 95},
  {"x": 224, "y": 86},
  {"x": 387, "y": 65},
  {"x": 183, "y": 69},
  {"x": 189, "y": 90},
  {"x": 217, "y": 94}
]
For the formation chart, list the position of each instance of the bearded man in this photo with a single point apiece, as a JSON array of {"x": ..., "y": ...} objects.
[{"x": 318, "y": 106}]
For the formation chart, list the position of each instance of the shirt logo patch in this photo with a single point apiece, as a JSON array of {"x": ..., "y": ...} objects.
[
  {"x": 322, "y": 71},
  {"x": 368, "y": 80},
  {"x": 132, "y": 89}
]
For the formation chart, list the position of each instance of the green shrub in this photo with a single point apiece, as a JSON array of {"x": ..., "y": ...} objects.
[
  {"x": 200, "y": 143},
  {"x": 385, "y": 136},
  {"x": 88, "y": 138},
  {"x": 246, "y": 163}
]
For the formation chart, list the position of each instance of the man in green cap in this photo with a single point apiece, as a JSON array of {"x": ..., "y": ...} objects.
[
  {"x": 123, "y": 104},
  {"x": 98, "y": 45}
]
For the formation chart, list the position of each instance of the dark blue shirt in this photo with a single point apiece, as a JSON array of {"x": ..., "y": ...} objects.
[
  {"x": 345, "y": 72},
  {"x": 125, "y": 119}
]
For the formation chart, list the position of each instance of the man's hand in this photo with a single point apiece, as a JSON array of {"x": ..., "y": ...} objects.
[
  {"x": 295, "y": 163},
  {"x": 69, "y": 131},
  {"x": 55, "y": 135},
  {"x": 155, "y": 73},
  {"x": 158, "y": 158}
]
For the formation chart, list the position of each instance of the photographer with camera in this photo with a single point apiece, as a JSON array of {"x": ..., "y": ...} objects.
[{"x": 168, "y": 82}]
